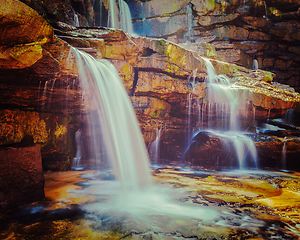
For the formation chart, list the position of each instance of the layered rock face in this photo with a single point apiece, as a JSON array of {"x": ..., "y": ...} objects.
[
  {"x": 233, "y": 31},
  {"x": 41, "y": 96}
]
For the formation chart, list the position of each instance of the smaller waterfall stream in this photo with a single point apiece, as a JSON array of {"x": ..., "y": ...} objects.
[
  {"x": 222, "y": 106},
  {"x": 125, "y": 17},
  {"x": 154, "y": 147},
  {"x": 120, "y": 17}
]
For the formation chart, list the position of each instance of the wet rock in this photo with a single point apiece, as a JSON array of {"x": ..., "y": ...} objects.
[
  {"x": 21, "y": 176},
  {"x": 156, "y": 68}
]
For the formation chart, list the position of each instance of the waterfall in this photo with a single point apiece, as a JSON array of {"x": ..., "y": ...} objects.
[
  {"x": 121, "y": 138},
  {"x": 100, "y": 12},
  {"x": 79, "y": 151},
  {"x": 189, "y": 16},
  {"x": 283, "y": 154},
  {"x": 221, "y": 91},
  {"x": 120, "y": 17},
  {"x": 112, "y": 14},
  {"x": 76, "y": 20},
  {"x": 222, "y": 105},
  {"x": 154, "y": 147},
  {"x": 255, "y": 64},
  {"x": 125, "y": 17}
]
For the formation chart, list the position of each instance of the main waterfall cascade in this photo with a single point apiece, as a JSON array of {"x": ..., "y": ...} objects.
[{"x": 121, "y": 142}]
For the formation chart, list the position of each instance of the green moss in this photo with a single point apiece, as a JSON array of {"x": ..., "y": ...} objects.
[{"x": 275, "y": 12}]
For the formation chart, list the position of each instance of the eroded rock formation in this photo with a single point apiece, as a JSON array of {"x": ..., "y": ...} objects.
[
  {"x": 156, "y": 73},
  {"x": 233, "y": 31}
]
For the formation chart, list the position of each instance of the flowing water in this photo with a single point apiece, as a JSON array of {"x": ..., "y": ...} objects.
[
  {"x": 120, "y": 17},
  {"x": 222, "y": 105},
  {"x": 189, "y": 17},
  {"x": 121, "y": 138},
  {"x": 125, "y": 17},
  {"x": 132, "y": 201},
  {"x": 154, "y": 147},
  {"x": 79, "y": 151}
]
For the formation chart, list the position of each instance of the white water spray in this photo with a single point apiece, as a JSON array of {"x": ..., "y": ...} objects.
[{"x": 120, "y": 134}]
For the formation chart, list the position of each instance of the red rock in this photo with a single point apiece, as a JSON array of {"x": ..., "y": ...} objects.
[{"x": 21, "y": 176}]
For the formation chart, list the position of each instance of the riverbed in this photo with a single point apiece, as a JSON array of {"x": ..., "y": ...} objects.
[{"x": 181, "y": 203}]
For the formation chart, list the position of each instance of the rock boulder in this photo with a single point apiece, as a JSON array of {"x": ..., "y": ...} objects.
[{"x": 21, "y": 176}]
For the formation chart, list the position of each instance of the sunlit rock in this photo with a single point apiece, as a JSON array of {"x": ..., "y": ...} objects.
[
  {"x": 165, "y": 87},
  {"x": 23, "y": 34}
]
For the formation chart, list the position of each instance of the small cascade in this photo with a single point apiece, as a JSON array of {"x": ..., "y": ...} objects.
[
  {"x": 119, "y": 140},
  {"x": 289, "y": 116},
  {"x": 44, "y": 96},
  {"x": 119, "y": 17},
  {"x": 221, "y": 109},
  {"x": 76, "y": 20},
  {"x": 154, "y": 147},
  {"x": 190, "y": 105},
  {"x": 223, "y": 98},
  {"x": 125, "y": 17},
  {"x": 189, "y": 17},
  {"x": 100, "y": 12},
  {"x": 266, "y": 11},
  {"x": 76, "y": 164},
  {"x": 255, "y": 64},
  {"x": 283, "y": 155},
  {"x": 112, "y": 14}
]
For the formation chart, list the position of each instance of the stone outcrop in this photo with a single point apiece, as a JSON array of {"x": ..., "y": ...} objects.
[
  {"x": 23, "y": 32},
  {"x": 158, "y": 74},
  {"x": 21, "y": 176},
  {"x": 238, "y": 31},
  {"x": 231, "y": 31}
]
